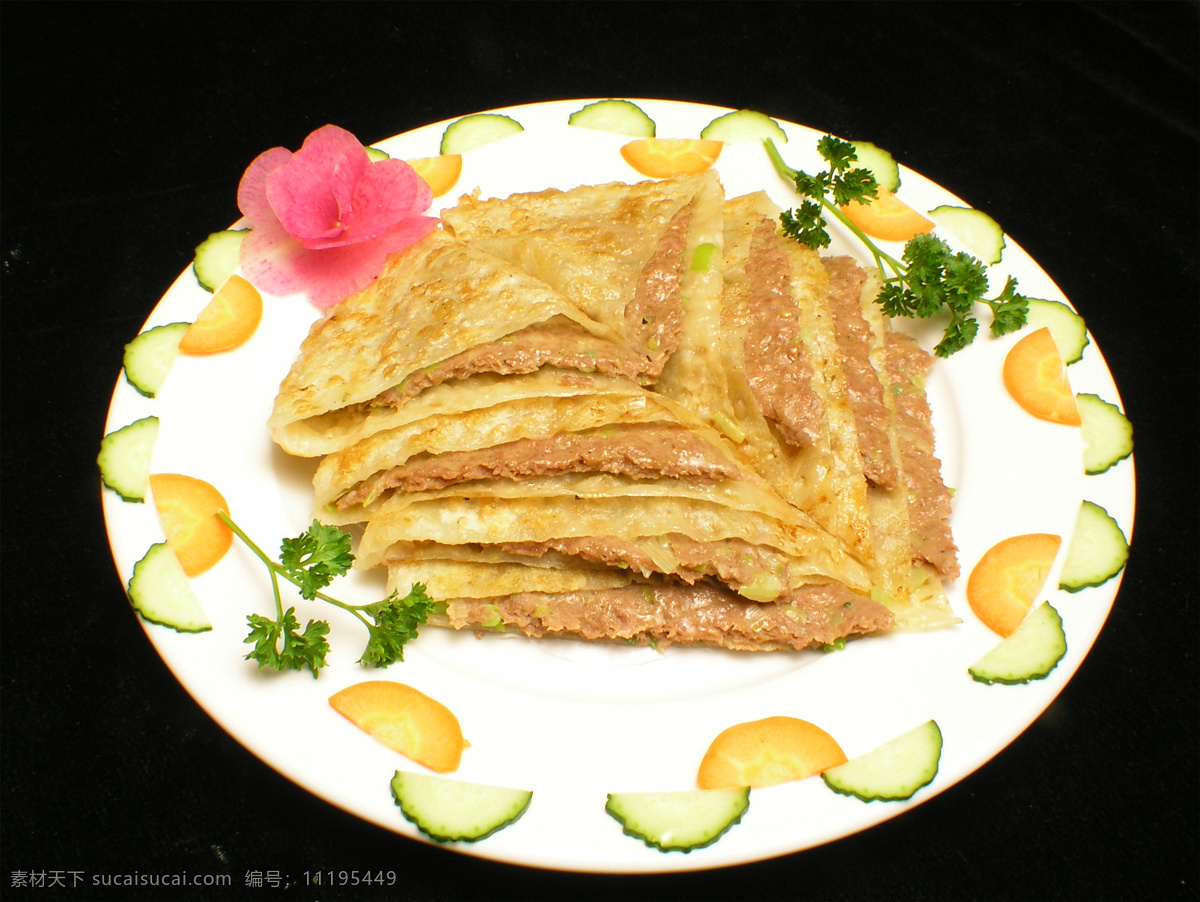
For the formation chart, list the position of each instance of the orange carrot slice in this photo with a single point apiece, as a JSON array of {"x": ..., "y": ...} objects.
[
  {"x": 1004, "y": 584},
  {"x": 766, "y": 752},
  {"x": 187, "y": 508},
  {"x": 404, "y": 719},
  {"x": 228, "y": 321},
  {"x": 661, "y": 158},
  {"x": 440, "y": 173},
  {"x": 1036, "y": 377},
  {"x": 887, "y": 217}
]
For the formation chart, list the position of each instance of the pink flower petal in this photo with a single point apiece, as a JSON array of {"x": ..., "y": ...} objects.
[
  {"x": 252, "y": 189},
  {"x": 388, "y": 192},
  {"x": 324, "y": 219},
  {"x": 313, "y": 193},
  {"x": 268, "y": 259},
  {"x": 280, "y": 265},
  {"x": 332, "y": 275}
]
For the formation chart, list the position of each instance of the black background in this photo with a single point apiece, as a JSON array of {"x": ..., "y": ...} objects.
[{"x": 125, "y": 130}]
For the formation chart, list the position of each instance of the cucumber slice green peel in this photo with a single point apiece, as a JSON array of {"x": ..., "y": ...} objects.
[
  {"x": 160, "y": 592},
  {"x": 881, "y": 164},
  {"x": 124, "y": 458},
  {"x": 1107, "y": 433},
  {"x": 679, "y": 821},
  {"x": 621, "y": 117},
  {"x": 1098, "y": 550},
  {"x": 217, "y": 256},
  {"x": 1031, "y": 652},
  {"x": 894, "y": 771},
  {"x": 476, "y": 130},
  {"x": 1067, "y": 327},
  {"x": 978, "y": 232},
  {"x": 149, "y": 357},
  {"x": 449, "y": 810},
  {"x": 743, "y": 127}
]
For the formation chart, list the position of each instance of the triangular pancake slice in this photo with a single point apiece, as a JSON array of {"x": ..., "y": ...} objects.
[
  {"x": 895, "y": 441},
  {"x": 661, "y": 535},
  {"x": 619, "y": 412},
  {"x": 441, "y": 312},
  {"x": 628, "y": 256},
  {"x": 783, "y": 377},
  {"x": 614, "y": 428},
  {"x": 614, "y": 440},
  {"x": 929, "y": 499},
  {"x": 658, "y": 613}
]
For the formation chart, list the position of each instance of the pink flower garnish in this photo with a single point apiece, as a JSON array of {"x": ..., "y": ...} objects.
[{"x": 324, "y": 219}]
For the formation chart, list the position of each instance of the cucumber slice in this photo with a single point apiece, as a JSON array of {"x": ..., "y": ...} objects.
[
  {"x": 1067, "y": 327},
  {"x": 1032, "y": 650},
  {"x": 160, "y": 592},
  {"x": 477, "y": 130},
  {"x": 455, "y": 811},
  {"x": 978, "y": 232},
  {"x": 894, "y": 771},
  {"x": 1107, "y": 433},
  {"x": 374, "y": 154},
  {"x": 679, "y": 821},
  {"x": 1098, "y": 550},
  {"x": 217, "y": 256},
  {"x": 621, "y": 117},
  {"x": 148, "y": 358},
  {"x": 743, "y": 127},
  {"x": 881, "y": 163},
  {"x": 124, "y": 458}
]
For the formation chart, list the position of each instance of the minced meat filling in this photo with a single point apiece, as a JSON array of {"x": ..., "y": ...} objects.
[
  {"x": 653, "y": 324},
  {"x": 664, "y": 613},
  {"x": 564, "y": 345},
  {"x": 654, "y": 317},
  {"x": 732, "y": 562},
  {"x": 639, "y": 451},
  {"x": 777, "y": 365},
  {"x": 865, "y": 391},
  {"x": 929, "y": 499}
]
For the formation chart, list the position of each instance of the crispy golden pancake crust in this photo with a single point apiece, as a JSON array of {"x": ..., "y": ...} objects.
[{"x": 598, "y": 403}]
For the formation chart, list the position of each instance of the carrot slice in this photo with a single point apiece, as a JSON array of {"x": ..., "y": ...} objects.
[
  {"x": 1004, "y": 584},
  {"x": 766, "y": 752},
  {"x": 887, "y": 217},
  {"x": 187, "y": 508},
  {"x": 1036, "y": 377},
  {"x": 661, "y": 158},
  {"x": 440, "y": 173},
  {"x": 404, "y": 719},
  {"x": 228, "y": 321}
]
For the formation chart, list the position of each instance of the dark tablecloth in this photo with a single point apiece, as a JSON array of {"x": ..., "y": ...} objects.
[{"x": 125, "y": 130}]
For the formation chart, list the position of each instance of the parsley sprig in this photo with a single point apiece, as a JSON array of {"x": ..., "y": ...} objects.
[
  {"x": 310, "y": 562},
  {"x": 927, "y": 280}
]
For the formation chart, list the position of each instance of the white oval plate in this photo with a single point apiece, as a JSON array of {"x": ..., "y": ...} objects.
[{"x": 572, "y": 721}]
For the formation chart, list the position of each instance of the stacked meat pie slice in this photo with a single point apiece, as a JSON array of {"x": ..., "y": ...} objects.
[{"x": 633, "y": 413}]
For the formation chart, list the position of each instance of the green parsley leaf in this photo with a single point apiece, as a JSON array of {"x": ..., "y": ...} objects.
[
  {"x": 896, "y": 300},
  {"x": 310, "y": 562},
  {"x": 838, "y": 153},
  {"x": 965, "y": 281},
  {"x": 854, "y": 186},
  {"x": 314, "y": 559},
  {"x": 805, "y": 225},
  {"x": 279, "y": 644},
  {"x": 928, "y": 280},
  {"x": 1009, "y": 309},
  {"x": 960, "y": 333},
  {"x": 396, "y": 621}
]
